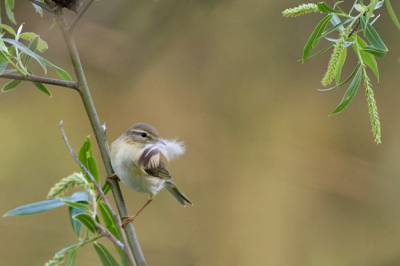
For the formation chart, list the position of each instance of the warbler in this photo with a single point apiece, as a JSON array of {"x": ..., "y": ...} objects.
[{"x": 136, "y": 160}]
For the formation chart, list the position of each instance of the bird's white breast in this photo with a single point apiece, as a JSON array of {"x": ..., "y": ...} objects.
[{"x": 123, "y": 160}]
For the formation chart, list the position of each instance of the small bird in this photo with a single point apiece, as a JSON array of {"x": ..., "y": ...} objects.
[{"x": 135, "y": 158}]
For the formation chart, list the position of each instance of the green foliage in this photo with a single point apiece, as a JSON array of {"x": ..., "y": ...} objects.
[
  {"x": 82, "y": 208},
  {"x": 366, "y": 48}
]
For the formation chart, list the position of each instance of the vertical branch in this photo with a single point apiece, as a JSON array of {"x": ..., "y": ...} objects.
[{"x": 99, "y": 133}]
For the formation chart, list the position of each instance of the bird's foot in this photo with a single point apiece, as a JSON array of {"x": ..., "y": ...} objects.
[
  {"x": 127, "y": 219},
  {"x": 113, "y": 176}
]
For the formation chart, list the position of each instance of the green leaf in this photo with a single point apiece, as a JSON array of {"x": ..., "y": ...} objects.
[
  {"x": 46, "y": 205},
  {"x": 341, "y": 63},
  {"x": 61, "y": 72},
  {"x": 86, "y": 157},
  {"x": 350, "y": 93},
  {"x": 367, "y": 58},
  {"x": 106, "y": 258},
  {"x": 87, "y": 221},
  {"x": 26, "y": 51},
  {"x": 324, "y": 8},
  {"x": 346, "y": 80},
  {"x": 106, "y": 188},
  {"x": 392, "y": 14},
  {"x": 377, "y": 52},
  {"x": 9, "y": 29},
  {"x": 42, "y": 88},
  {"x": 9, "y": 7},
  {"x": 38, "y": 9},
  {"x": 336, "y": 27},
  {"x": 372, "y": 35},
  {"x": 53, "y": 23},
  {"x": 11, "y": 85},
  {"x": 71, "y": 259},
  {"x": 32, "y": 46},
  {"x": 311, "y": 43},
  {"x": 42, "y": 45},
  {"x": 83, "y": 205},
  {"x": 109, "y": 221},
  {"x": 66, "y": 250},
  {"x": 76, "y": 225},
  {"x": 3, "y": 67},
  {"x": 322, "y": 51}
]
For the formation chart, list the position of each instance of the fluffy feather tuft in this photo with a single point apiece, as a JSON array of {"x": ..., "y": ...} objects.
[{"x": 171, "y": 149}]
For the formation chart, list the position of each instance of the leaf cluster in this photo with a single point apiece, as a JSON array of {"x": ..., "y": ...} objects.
[
  {"x": 83, "y": 211},
  {"x": 355, "y": 29}
]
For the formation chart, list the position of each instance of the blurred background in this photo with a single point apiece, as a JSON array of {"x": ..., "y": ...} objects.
[{"x": 273, "y": 179}]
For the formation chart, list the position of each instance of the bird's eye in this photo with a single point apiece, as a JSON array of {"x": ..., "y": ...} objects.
[{"x": 143, "y": 135}]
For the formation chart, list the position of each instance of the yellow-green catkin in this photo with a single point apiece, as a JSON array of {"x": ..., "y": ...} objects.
[
  {"x": 335, "y": 57},
  {"x": 300, "y": 10},
  {"x": 76, "y": 179},
  {"x": 372, "y": 109}
]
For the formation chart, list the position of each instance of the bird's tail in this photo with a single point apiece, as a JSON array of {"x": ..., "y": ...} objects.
[{"x": 175, "y": 191}]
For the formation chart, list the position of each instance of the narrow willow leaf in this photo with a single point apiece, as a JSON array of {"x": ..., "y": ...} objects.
[
  {"x": 106, "y": 188},
  {"x": 66, "y": 250},
  {"x": 106, "y": 258},
  {"x": 9, "y": 29},
  {"x": 336, "y": 27},
  {"x": 341, "y": 63},
  {"x": 350, "y": 93},
  {"x": 324, "y": 8},
  {"x": 76, "y": 225},
  {"x": 92, "y": 164},
  {"x": 11, "y": 85},
  {"x": 38, "y": 9},
  {"x": 392, "y": 14},
  {"x": 336, "y": 20},
  {"x": 109, "y": 221},
  {"x": 42, "y": 88},
  {"x": 367, "y": 58},
  {"x": 3, "y": 67},
  {"x": 26, "y": 51},
  {"x": 46, "y": 205},
  {"x": 377, "y": 52},
  {"x": 79, "y": 205},
  {"x": 9, "y": 7},
  {"x": 322, "y": 51},
  {"x": 71, "y": 259},
  {"x": 372, "y": 35},
  {"x": 42, "y": 45},
  {"x": 87, "y": 159},
  {"x": 32, "y": 46},
  {"x": 61, "y": 72},
  {"x": 316, "y": 34},
  {"x": 53, "y": 23},
  {"x": 87, "y": 221},
  {"x": 344, "y": 82}
]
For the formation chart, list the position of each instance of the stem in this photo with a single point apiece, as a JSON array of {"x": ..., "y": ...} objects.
[
  {"x": 79, "y": 15},
  {"x": 33, "y": 78},
  {"x": 104, "y": 232},
  {"x": 99, "y": 133}
]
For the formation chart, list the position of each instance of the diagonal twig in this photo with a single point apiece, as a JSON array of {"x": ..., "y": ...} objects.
[
  {"x": 79, "y": 15},
  {"x": 125, "y": 247},
  {"x": 33, "y": 78}
]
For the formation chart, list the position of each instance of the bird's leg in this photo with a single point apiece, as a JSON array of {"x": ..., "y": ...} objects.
[
  {"x": 113, "y": 176},
  {"x": 126, "y": 220}
]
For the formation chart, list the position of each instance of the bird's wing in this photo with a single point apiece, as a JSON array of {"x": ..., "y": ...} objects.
[
  {"x": 149, "y": 156},
  {"x": 160, "y": 171}
]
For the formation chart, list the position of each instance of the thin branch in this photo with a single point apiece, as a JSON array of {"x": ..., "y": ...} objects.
[
  {"x": 124, "y": 246},
  {"x": 42, "y": 5},
  {"x": 104, "y": 232},
  {"x": 79, "y": 15},
  {"x": 33, "y": 78},
  {"x": 99, "y": 133}
]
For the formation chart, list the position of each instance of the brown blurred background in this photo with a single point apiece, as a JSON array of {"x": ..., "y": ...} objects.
[{"x": 274, "y": 180}]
